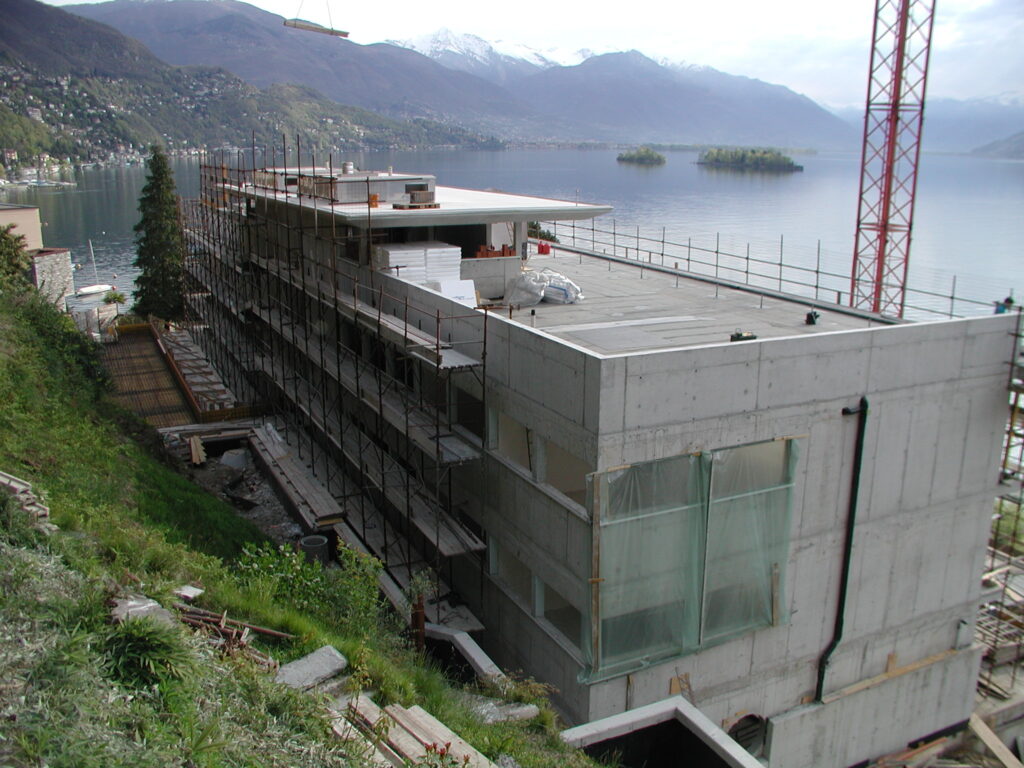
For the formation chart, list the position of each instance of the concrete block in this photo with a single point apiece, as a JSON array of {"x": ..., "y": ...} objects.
[
  {"x": 806, "y": 377},
  {"x": 489, "y": 710},
  {"x": 313, "y": 669},
  {"x": 885, "y": 458},
  {"x": 611, "y": 418},
  {"x": 663, "y": 397},
  {"x": 139, "y": 607},
  {"x": 931, "y": 353},
  {"x": 816, "y": 507},
  {"x": 236, "y": 458},
  {"x": 986, "y": 427},
  {"x": 591, "y": 393},
  {"x": 949, "y": 452},
  {"x": 607, "y": 698},
  {"x": 922, "y": 440},
  {"x": 987, "y": 354},
  {"x": 187, "y": 592}
]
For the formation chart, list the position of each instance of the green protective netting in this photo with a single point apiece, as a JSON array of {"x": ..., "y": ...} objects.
[{"x": 692, "y": 550}]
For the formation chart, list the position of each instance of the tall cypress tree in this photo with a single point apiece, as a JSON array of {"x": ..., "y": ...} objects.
[{"x": 158, "y": 243}]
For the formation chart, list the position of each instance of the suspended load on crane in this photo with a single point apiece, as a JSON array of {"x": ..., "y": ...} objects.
[{"x": 310, "y": 26}]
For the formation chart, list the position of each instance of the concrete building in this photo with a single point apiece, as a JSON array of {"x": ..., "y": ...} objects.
[
  {"x": 671, "y": 487},
  {"x": 51, "y": 271},
  {"x": 25, "y": 219}
]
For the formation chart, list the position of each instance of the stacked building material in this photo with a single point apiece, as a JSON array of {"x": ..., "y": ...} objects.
[{"x": 419, "y": 262}]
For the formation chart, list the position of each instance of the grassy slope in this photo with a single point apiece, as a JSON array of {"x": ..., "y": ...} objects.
[{"x": 129, "y": 520}]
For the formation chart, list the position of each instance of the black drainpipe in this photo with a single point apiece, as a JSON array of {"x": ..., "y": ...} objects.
[{"x": 851, "y": 519}]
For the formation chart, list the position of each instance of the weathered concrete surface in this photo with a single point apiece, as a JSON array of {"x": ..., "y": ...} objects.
[
  {"x": 138, "y": 607},
  {"x": 674, "y": 708},
  {"x": 490, "y": 710},
  {"x": 322, "y": 664}
]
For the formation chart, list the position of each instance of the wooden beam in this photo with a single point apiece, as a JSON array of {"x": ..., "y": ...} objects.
[{"x": 993, "y": 742}]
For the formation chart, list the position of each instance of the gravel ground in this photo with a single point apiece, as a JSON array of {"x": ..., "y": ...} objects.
[{"x": 242, "y": 487}]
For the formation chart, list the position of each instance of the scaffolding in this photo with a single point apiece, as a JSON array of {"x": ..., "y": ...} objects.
[
  {"x": 1000, "y": 625},
  {"x": 381, "y": 397}
]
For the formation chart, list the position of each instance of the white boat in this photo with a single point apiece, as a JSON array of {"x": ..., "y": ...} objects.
[
  {"x": 89, "y": 290},
  {"x": 92, "y": 290}
]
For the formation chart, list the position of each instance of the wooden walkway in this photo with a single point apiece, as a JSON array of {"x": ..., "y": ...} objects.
[{"x": 143, "y": 383}]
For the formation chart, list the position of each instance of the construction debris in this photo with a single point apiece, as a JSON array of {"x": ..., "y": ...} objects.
[
  {"x": 993, "y": 742},
  {"x": 188, "y": 592},
  {"x": 410, "y": 735},
  {"x": 490, "y": 710},
  {"x": 139, "y": 607},
  {"x": 230, "y": 635},
  {"x": 312, "y": 670},
  {"x": 21, "y": 490}
]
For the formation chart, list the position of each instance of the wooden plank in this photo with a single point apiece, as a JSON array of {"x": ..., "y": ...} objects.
[
  {"x": 460, "y": 748},
  {"x": 993, "y": 742},
  {"x": 377, "y": 755},
  {"x": 396, "y": 737},
  {"x": 877, "y": 679},
  {"x": 196, "y": 449}
]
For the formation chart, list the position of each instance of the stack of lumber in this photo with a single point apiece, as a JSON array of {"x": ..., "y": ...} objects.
[
  {"x": 21, "y": 490},
  {"x": 401, "y": 736}
]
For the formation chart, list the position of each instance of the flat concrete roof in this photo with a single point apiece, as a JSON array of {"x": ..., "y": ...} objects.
[
  {"x": 624, "y": 313},
  {"x": 457, "y": 207}
]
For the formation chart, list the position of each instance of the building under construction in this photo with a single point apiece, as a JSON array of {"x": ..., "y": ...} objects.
[{"x": 773, "y": 506}]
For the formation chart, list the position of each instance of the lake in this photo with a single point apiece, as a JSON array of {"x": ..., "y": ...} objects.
[{"x": 968, "y": 221}]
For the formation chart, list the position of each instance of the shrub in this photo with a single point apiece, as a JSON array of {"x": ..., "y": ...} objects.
[{"x": 140, "y": 652}]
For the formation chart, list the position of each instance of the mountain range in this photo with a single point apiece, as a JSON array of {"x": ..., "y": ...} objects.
[
  {"x": 102, "y": 92},
  {"x": 515, "y": 94},
  {"x": 961, "y": 125},
  {"x": 950, "y": 125}
]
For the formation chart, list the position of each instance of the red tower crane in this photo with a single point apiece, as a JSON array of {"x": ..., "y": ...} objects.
[{"x": 892, "y": 144}]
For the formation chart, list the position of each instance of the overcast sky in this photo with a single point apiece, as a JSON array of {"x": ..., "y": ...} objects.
[{"x": 817, "y": 47}]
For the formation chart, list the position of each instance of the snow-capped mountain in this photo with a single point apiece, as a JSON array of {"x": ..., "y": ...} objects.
[{"x": 499, "y": 62}]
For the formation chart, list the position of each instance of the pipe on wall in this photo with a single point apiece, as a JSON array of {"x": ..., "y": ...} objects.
[{"x": 861, "y": 411}]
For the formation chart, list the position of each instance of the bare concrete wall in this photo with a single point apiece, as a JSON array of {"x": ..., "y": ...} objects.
[
  {"x": 26, "y": 222},
  {"x": 938, "y": 405}
]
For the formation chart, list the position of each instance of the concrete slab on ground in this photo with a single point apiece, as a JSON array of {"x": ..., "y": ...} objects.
[{"x": 313, "y": 669}]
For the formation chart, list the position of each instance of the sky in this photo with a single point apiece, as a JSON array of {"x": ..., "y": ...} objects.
[{"x": 820, "y": 48}]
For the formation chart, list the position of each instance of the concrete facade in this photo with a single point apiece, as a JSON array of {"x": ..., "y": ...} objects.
[
  {"x": 25, "y": 219},
  {"x": 53, "y": 274},
  {"x": 51, "y": 270},
  {"x": 558, "y": 415}
]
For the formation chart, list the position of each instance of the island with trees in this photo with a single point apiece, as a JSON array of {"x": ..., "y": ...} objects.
[
  {"x": 748, "y": 159},
  {"x": 641, "y": 156}
]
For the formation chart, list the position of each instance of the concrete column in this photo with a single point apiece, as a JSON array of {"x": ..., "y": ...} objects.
[{"x": 520, "y": 238}]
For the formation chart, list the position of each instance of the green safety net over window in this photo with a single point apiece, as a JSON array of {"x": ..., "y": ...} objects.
[{"x": 692, "y": 550}]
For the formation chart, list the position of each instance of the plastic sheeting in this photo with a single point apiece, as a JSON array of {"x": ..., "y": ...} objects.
[{"x": 692, "y": 550}]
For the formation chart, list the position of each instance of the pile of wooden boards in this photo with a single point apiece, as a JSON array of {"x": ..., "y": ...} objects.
[
  {"x": 23, "y": 495},
  {"x": 397, "y": 736}
]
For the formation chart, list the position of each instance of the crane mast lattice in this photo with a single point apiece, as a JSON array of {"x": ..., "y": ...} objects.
[{"x": 892, "y": 142}]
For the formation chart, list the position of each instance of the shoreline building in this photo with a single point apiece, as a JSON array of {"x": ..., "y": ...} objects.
[
  {"x": 776, "y": 508},
  {"x": 50, "y": 271}
]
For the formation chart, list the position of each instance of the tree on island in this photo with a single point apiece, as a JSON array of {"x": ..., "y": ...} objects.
[
  {"x": 14, "y": 258},
  {"x": 642, "y": 156},
  {"x": 748, "y": 159},
  {"x": 158, "y": 242}
]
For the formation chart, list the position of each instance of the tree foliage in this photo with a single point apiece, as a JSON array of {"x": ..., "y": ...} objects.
[
  {"x": 158, "y": 243},
  {"x": 642, "y": 156},
  {"x": 748, "y": 158},
  {"x": 14, "y": 258}
]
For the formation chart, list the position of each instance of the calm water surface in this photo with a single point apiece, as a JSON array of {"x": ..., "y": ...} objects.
[{"x": 968, "y": 221}]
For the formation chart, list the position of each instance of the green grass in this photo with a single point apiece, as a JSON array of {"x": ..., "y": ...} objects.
[{"x": 130, "y": 522}]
